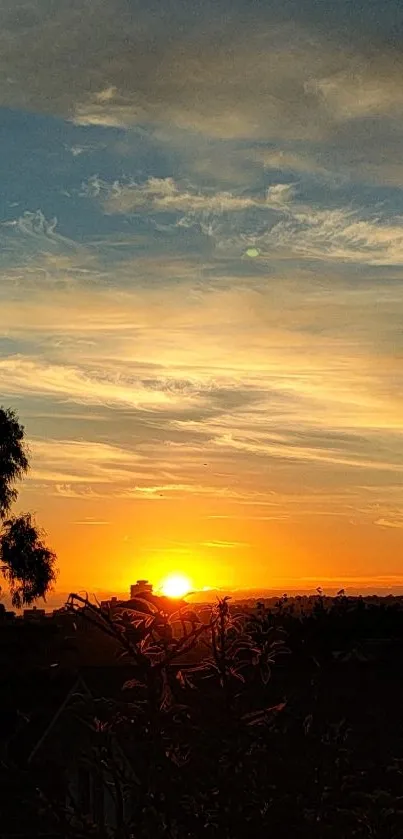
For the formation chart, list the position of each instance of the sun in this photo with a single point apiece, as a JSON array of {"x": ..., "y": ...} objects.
[{"x": 176, "y": 585}]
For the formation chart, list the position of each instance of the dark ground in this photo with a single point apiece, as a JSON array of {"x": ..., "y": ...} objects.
[{"x": 326, "y": 762}]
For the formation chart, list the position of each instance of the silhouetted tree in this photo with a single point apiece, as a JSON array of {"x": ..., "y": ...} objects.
[
  {"x": 25, "y": 561},
  {"x": 13, "y": 458},
  {"x": 27, "y": 564}
]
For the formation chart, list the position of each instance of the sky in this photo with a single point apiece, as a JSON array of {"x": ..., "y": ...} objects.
[{"x": 201, "y": 286}]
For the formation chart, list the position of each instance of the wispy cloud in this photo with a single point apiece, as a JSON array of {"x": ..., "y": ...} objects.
[
  {"x": 394, "y": 519},
  {"x": 164, "y": 194},
  {"x": 20, "y": 374},
  {"x": 339, "y": 235},
  {"x": 225, "y": 545},
  {"x": 67, "y": 462},
  {"x": 286, "y": 223},
  {"x": 206, "y": 310},
  {"x": 37, "y": 233}
]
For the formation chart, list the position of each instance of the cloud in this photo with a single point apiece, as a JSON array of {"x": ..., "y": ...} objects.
[
  {"x": 280, "y": 195},
  {"x": 225, "y": 545},
  {"x": 285, "y": 222},
  {"x": 182, "y": 352},
  {"x": 246, "y": 437},
  {"x": 182, "y": 491},
  {"x": 36, "y": 234},
  {"x": 65, "y": 463},
  {"x": 394, "y": 519},
  {"x": 77, "y": 490},
  {"x": 282, "y": 81},
  {"x": 255, "y": 77},
  {"x": 284, "y": 159},
  {"x": 35, "y": 255},
  {"x": 163, "y": 194},
  {"x": 339, "y": 234},
  {"x": 309, "y": 231},
  {"x": 364, "y": 88},
  {"x": 269, "y": 379},
  {"x": 218, "y": 89},
  {"x": 96, "y": 387}
]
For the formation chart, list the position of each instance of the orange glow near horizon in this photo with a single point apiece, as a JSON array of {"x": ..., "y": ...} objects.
[{"x": 106, "y": 545}]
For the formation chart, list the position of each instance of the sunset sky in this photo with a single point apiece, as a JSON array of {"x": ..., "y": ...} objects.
[{"x": 201, "y": 294}]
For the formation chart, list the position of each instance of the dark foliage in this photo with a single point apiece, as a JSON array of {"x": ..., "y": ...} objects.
[
  {"x": 13, "y": 458},
  {"x": 219, "y": 722},
  {"x": 26, "y": 563}
]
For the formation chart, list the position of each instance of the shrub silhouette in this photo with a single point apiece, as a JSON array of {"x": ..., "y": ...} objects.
[
  {"x": 189, "y": 727},
  {"x": 214, "y": 731}
]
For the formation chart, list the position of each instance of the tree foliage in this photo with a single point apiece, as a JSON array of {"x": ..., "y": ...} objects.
[
  {"x": 25, "y": 561},
  {"x": 27, "y": 564},
  {"x": 13, "y": 458}
]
